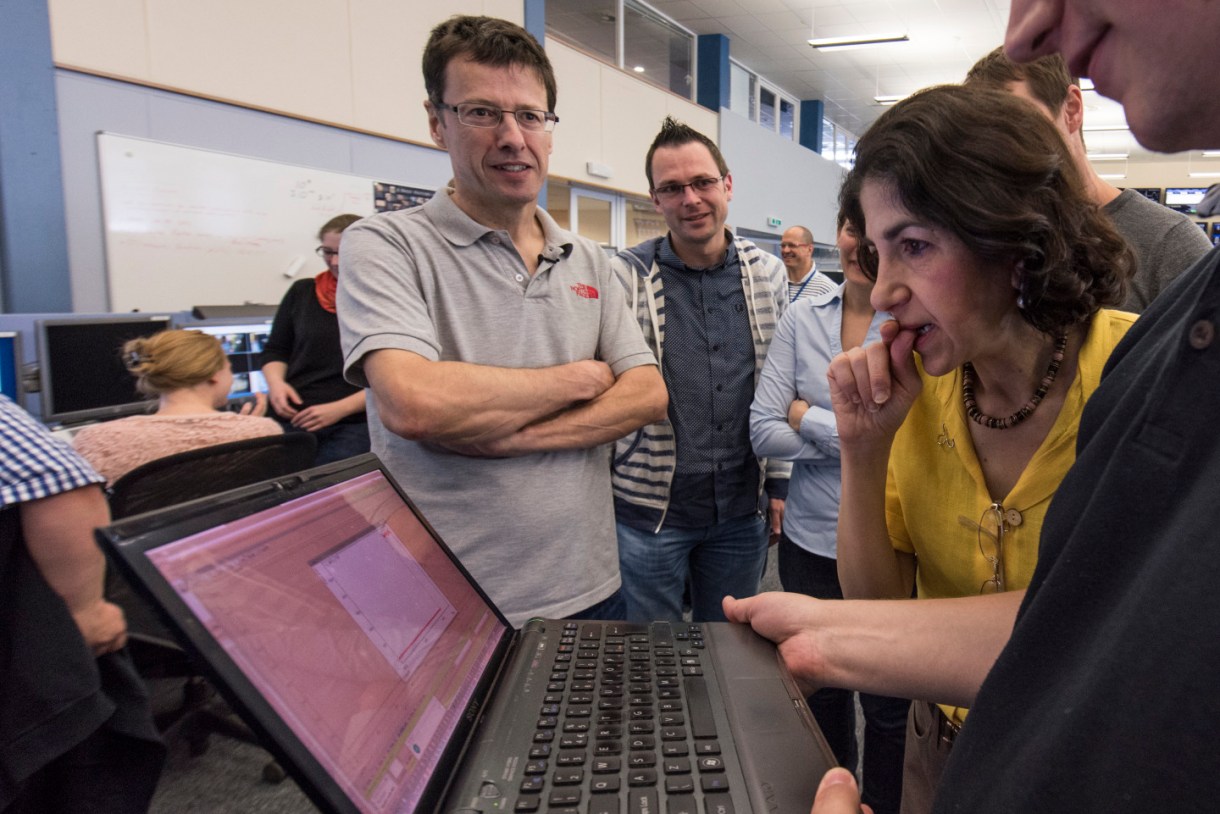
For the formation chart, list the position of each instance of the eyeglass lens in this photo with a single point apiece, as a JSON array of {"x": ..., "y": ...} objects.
[
  {"x": 991, "y": 546},
  {"x": 698, "y": 185},
  {"x": 485, "y": 116}
]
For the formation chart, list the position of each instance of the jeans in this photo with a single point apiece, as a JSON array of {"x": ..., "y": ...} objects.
[
  {"x": 727, "y": 558},
  {"x": 336, "y": 442},
  {"x": 885, "y": 718}
]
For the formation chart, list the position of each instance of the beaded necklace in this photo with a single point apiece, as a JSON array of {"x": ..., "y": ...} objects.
[{"x": 979, "y": 417}]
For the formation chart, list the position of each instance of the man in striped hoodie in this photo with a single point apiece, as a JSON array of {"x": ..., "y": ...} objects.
[{"x": 688, "y": 490}]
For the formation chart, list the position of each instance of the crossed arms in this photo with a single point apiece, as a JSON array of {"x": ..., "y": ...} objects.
[{"x": 492, "y": 411}]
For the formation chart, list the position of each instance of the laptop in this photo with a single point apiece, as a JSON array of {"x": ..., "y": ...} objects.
[{"x": 337, "y": 623}]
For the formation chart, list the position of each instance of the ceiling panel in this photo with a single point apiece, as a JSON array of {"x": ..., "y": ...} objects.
[{"x": 947, "y": 36}]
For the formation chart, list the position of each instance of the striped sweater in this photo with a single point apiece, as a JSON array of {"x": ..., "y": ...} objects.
[{"x": 644, "y": 461}]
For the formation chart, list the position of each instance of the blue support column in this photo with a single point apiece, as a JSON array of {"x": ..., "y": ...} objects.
[
  {"x": 535, "y": 19},
  {"x": 813, "y": 112},
  {"x": 34, "y": 274},
  {"x": 535, "y": 23},
  {"x": 713, "y": 80}
]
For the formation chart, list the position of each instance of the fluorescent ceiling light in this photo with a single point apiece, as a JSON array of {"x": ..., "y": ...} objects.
[
  {"x": 1107, "y": 156},
  {"x": 863, "y": 39},
  {"x": 638, "y": 69},
  {"x": 1112, "y": 176},
  {"x": 1104, "y": 128},
  {"x": 891, "y": 99},
  {"x": 1204, "y": 174},
  {"x": 1086, "y": 84},
  {"x": 1211, "y": 153}
]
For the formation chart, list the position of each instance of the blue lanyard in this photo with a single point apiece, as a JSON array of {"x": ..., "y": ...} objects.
[{"x": 794, "y": 297}]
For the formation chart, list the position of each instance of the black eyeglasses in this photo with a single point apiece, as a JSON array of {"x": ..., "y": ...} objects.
[
  {"x": 793, "y": 245},
  {"x": 699, "y": 185},
  {"x": 476, "y": 115},
  {"x": 326, "y": 253}
]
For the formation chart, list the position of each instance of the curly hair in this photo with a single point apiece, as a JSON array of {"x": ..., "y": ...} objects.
[
  {"x": 172, "y": 360},
  {"x": 987, "y": 167}
]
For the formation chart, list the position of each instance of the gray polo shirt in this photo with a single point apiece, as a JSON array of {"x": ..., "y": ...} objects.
[{"x": 536, "y": 531}]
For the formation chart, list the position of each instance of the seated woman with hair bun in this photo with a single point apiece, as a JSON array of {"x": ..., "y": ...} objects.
[{"x": 190, "y": 376}]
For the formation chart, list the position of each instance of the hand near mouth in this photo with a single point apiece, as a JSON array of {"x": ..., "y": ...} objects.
[{"x": 873, "y": 387}]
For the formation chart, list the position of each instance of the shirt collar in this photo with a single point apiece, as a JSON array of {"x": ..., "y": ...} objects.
[
  {"x": 462, "y": 230},
  {"x": 666, "y": 255}
]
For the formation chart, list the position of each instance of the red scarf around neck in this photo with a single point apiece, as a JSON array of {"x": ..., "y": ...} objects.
[{"x": 324, "y": 286}]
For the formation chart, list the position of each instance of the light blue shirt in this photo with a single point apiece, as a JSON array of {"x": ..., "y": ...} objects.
[{"x": 808, "y": 337}]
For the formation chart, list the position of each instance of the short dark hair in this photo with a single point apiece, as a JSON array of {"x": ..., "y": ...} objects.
[
  {"x": 486, "y": 41},
  {"x": 674, "y": 134},
  {"x": 973, "y": 161},
  {"x": 1047, "y": 77},
  {"x": 337, "y": 224}
]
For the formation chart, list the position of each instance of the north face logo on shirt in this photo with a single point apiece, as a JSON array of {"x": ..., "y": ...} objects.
[{"x": 586, "y": 291}]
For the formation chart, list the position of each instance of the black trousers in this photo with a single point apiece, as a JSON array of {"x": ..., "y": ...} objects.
[{"x": 885, "y": 718}]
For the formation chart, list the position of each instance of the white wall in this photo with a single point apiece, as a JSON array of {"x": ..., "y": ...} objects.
[
  {"x": 775, "y": 177},
  {"x": 352, "y": 63}
]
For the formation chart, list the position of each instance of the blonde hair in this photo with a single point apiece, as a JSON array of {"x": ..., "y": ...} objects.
[{"x": 172, "y": 360}]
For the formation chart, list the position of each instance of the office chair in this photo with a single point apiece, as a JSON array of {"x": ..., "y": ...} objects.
[{"x": 176, "y": 479}]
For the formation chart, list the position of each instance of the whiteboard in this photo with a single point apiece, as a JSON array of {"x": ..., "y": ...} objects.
[{"x": 187, "y": 227}]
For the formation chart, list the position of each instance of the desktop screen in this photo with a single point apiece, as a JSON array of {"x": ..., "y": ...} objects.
[
  {"x": 81, "y": 366},
  {"x": 1184, "y": 199},
  {"x": 10, "y": 365},
  {"x": 243, "y": 343}
]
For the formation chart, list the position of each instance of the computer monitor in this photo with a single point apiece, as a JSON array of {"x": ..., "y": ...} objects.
[
  {"x": 81, "y": 366},
  {"x": 1216, "y": 233},
  {"x": 243, "y": 343},
  {"x": 10, "y": 365},
  {"x": 1151, "y": 193},
  {"x": 1184, "y": 199}
]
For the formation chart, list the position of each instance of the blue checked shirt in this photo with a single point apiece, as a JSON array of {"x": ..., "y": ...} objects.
[{"x": 33, "y": 463}]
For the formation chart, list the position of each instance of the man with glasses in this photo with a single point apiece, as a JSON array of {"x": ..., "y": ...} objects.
[
  {"x": 687, "y": 489},
  {"x": 796, "y": 250},
  {"x": 1095, "y": 689},
  {"x": 498, "y": 349}
]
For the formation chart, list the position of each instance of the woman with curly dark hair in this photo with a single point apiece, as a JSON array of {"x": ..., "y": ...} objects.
[{"x": 958, "y": 426}]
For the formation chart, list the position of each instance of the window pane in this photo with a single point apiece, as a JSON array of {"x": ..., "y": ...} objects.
[
  {"x": 657, "y": 50},
  {"x": 593, "y": 219},
  {"x": 787, "y": 119},
  {"x": 585, "y": 24},
  {"x": 740, "y": 90},
  {"x": 559, "y": 202},
  {"x": 828, "y": 139},
  {"x": 643, "y": 221},
  {"x": 766, "y": 109}
]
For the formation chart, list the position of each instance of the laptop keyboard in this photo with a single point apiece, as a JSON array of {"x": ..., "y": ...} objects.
[{"x": 626, "y": 726}]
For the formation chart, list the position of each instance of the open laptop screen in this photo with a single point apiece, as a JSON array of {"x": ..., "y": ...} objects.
[{"x": 354, "y": 625}]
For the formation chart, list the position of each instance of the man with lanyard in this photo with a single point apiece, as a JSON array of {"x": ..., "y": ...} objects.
[{"x": 796, "y": 250}]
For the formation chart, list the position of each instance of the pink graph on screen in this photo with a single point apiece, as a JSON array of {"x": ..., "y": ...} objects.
[{"x": 402, "y": 624}]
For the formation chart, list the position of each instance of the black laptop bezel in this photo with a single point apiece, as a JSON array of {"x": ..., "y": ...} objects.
[{"x": 129, "y": 541}]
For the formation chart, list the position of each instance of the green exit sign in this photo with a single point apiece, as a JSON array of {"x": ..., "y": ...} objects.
[{"x": 774, "y": 222}]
